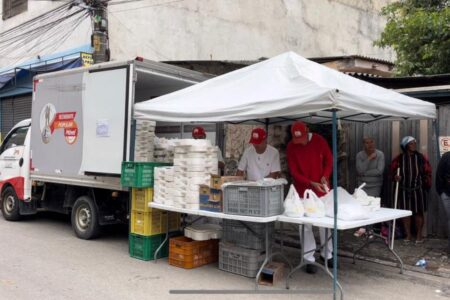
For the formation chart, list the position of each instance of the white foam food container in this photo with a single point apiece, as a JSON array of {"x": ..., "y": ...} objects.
[{"x": 203, "y": 232}]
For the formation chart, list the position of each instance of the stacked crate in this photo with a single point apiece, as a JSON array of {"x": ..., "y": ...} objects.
[
  {"x": 242, "y": 248},
  {"x": 148, "y": 226},
  {"x": 188, "y": 254}
]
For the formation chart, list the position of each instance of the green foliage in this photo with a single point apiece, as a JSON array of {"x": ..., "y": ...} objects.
[{"x": 419, "y": 33}]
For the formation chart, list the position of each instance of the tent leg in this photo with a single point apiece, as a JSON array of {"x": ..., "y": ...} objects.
[{"x": 335, "y": 174}]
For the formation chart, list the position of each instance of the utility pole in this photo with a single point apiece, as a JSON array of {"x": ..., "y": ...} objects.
[{"x": 99, "y": 37}]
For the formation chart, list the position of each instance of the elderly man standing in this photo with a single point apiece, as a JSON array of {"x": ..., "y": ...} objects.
[
  {"x": 310, "y": 164},
  {"x": 260, "y": 160}
]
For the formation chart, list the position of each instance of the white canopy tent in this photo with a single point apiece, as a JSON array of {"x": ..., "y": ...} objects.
[
  {"x": 284, "y": 88},
  {"x": 287, "y": 86}
]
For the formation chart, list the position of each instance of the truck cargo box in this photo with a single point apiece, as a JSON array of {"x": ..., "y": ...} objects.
[{"x": 82, "y": 118}]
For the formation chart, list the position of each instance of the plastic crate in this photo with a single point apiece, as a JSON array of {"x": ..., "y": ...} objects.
[
  {"x": 148, "y": 223},
  {"x": 241, "y": 261},
  {"x": 144, "y": 247},
  {"x": 246, "y": 234},
  {"x": 140, "y": 199},
  {"x": 154, "y": 222},
  {"x": 188, "y": 254},
  {"x": 258, "y": 201},
  {"x": 139, "y": 174}
]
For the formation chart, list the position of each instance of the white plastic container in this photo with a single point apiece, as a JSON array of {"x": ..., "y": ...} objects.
[{"x": 203, "y": 232}]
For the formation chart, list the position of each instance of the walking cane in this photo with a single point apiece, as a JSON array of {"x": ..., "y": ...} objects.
[{"x": 395, "y": 207}]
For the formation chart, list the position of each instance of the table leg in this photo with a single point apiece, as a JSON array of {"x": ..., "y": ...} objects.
[
  {"x": 382, "y": 240},
  {"x": 266, "y": 259},
  {"x": 303, "y": 263},
  {"x": 155, "y": 257}
]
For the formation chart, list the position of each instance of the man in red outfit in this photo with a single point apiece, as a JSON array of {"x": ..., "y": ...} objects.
[{"x": 310, "y": 163}]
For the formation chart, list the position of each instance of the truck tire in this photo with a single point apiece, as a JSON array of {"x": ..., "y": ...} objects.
[
  {"x": 85, "y": 218},
  {"x": 10, "y": 205}
]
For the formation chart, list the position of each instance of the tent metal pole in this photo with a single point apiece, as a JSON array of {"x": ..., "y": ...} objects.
[
  {"x": 335, "y": 174},
  {"x": 436, "y": 131}
]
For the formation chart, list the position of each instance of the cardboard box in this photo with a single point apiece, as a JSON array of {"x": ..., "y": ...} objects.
[
  {"x": 217, "y": 181},
  {"x": 212, "y": 201},
  {"x": 204, "y": 189},
  {"x": 215, "y": 195},
  {"x": 271, "y": 274}
]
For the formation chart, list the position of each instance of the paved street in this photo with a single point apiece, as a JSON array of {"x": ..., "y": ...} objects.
[{"x": 42, "y": 259}]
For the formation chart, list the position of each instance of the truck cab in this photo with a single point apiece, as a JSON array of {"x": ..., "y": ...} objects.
[{"x": 15, "y": 183}]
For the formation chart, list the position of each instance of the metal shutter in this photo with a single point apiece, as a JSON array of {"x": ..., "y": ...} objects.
[
  {"x": 22, "y": 108},
  {"x": 14, "y": 110},
  {"x": 7, "y": 115}
]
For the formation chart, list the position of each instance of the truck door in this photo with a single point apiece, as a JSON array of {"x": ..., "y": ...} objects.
[{"x": 14, "y": 158}]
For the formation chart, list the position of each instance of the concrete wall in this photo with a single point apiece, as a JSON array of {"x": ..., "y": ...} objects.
[
  {"x": 79, "y": 37},
  {"x": 229, "y": 29},
  {"x": 248, "y": 29}
]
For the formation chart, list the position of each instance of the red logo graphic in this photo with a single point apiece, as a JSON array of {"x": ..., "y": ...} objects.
[{"x": 66, "y": 121}]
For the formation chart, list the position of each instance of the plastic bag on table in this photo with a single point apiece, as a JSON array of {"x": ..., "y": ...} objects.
[
  {"x": 359, "y": 192},
  {"x": 349, "y": 209},
  {"x": 314, "y": 207},
  {"x": 293, "y": 205}
]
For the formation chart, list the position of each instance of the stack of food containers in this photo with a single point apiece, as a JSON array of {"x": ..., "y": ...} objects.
[
  {"x": 194, "y": 162},
  {"x": 164, "y": 150},
  {"x": 163, "y": 182},
  {"x": 144, "y": 141}
]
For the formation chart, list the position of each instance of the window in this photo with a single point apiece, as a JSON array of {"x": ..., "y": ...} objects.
[
  {"x": 12, "y": 8},
  {"x": 16, "y": 138}
]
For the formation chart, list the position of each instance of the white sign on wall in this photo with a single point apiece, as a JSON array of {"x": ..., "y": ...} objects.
[{"x": 444, "y": 144}]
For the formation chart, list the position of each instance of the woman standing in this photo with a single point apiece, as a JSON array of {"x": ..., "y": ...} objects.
[{"x": 414, "y": 183}]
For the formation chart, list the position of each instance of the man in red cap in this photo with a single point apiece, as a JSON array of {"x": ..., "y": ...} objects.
[
  {"x": 198, "y": 133},
  {"x": 310, "y": 163},
  {"x": 259, "y": 160}
]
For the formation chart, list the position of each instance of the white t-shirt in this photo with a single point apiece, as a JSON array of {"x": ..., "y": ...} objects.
[{"x": 259, "y": 166}]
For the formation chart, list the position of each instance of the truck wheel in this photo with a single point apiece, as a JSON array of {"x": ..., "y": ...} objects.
[
  {"x": 10, "y": 205},
  {"x": 85, "y": 219}
]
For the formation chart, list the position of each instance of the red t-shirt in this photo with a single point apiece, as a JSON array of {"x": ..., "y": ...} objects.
[{"x": 309, "y": 163}]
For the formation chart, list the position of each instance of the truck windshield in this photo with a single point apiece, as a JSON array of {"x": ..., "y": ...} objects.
[{"x": 16, "y": 138}]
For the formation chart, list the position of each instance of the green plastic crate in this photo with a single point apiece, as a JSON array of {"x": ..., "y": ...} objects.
[
  {"x": 144, "y": 247},
  {"x": 139, "y": 174}
]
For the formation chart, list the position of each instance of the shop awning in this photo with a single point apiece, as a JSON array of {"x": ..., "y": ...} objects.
[
  {"x": 19, "y": 80},
  {"x": 280, "y": 89}
]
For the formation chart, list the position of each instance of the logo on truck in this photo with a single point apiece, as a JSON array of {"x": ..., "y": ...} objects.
[{"x": 50, "y": 120}]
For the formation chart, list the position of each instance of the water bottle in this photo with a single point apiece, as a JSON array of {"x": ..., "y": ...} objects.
[{"x": 421, "y": 263}]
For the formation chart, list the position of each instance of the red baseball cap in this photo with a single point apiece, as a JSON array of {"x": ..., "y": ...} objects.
[
  {"x": 198, "y": 133},
  {"x": 258, "y": 136},
  {"x": 299, "y": 132}
]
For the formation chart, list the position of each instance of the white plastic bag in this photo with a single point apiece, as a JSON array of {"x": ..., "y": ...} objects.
[
  {"x": 368, "y": 202},
  {"x": 349, "y": 209},
  {"x": 293, "y": 205},
  {"x": 314, "y": 207}
]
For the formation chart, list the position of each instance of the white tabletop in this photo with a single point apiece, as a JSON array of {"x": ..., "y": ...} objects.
[
  {"x": 211, "y": 214},
  {"x": 381, "y": 215}
]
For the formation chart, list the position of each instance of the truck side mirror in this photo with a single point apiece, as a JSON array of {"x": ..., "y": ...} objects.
[{"x": 21, "y": 162}]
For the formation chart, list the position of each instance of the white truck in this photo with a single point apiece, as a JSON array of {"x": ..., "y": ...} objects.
[{"x": 68, "y": 157}]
